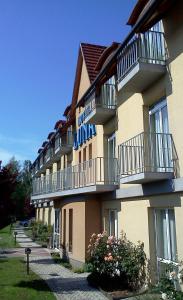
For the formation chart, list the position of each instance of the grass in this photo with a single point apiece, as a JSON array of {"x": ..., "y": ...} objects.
[
  {"x": 7, "y": 239},
  {"x": 58, "y": 260},
  {"x": 16, "y": 284}
]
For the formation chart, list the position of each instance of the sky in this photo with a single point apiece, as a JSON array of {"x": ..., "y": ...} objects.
[{"x": 39, "y": 42}]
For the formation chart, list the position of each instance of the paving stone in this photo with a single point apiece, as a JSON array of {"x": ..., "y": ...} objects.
[{"x": 65, "y": 284}]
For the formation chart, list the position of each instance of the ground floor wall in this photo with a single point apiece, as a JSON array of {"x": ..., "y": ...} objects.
[
  {"x": 136, "y": 217},
  {"x": 79, "y": 218},
  {"x": 45, "y": 215}
]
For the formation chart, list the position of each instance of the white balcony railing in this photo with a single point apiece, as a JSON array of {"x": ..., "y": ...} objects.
[
  {"x": 106, "y": 99},
  {"x": 63, "y": 140},
  {"x": 147, "y": 152},
  {"x": 147, "y": 48},
  {"x": 97, "y": 171}
]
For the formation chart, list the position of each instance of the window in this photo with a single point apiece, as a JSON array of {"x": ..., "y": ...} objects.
[
  {"x": 70, "y": 229},
  {"x": 79, "y": 157},
  {"x": 165, "y": 234},
  {"x": 57, "y": 229},
  {"x": 90, "y": 151},
  {"x": 64, "y": 228},
  {"x": 43, "y": 215},
  {"x": 84, "y": 154},
  {"x": 111, "y": 222},
  {"x": 49, "y": 216},
  {"x": 57, "y": 143},
  {"x": 38, "y": 214}
]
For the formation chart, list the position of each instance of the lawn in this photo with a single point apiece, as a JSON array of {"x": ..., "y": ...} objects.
[
  {"x": 16, "y": 284},
  {"x": 7, "y": 238}
]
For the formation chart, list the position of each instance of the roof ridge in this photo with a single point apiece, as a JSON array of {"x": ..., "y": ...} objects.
[{"x": 93, "y": 45}]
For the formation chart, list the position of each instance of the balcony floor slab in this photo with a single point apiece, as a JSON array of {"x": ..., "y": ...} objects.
[
  {"x": 141, "y": 76},
  {"x": 146, "y": 177},
  {"x": 92, "y": 189},
  {"x": 100, "y": 115}
]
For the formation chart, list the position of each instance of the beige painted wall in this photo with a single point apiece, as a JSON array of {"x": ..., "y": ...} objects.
[
  {"x": 84, "y": 81},
  {"x": 78, "y": 251},
  {"x": 135, "y": 218},
  {"x": 93, "y": 219},
  {"x": 174, "y": 32},
  {"x": 46, "y": 214}
]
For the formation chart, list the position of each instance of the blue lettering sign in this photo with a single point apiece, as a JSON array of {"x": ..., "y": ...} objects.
[{"x": 84, "y": 133}]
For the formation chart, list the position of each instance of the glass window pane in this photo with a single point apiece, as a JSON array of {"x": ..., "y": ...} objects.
[
  {"x": 173, "y": 244},
  {"x": 161, "y": 232},
  {"x": 112, "y": 222}
]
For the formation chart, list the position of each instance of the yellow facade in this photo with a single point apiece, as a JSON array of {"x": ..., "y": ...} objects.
[{"x": 124, "y": 207}]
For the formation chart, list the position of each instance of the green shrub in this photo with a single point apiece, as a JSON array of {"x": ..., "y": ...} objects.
[
  {"x": 41, "y": 232},
  {"x": 116, "y": 262}
]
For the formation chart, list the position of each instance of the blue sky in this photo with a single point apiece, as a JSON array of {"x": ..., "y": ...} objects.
[{"x": 39, "y": 42}]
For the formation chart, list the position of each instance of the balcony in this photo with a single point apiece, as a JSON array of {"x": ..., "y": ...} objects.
[
  {"x": 147, "y": 157},
  {"x": 141, "y": 62},
  {"x": 99, "y": 109},
  {"x": 63, "y": 143},
  {"x": 92, "y": 176}
]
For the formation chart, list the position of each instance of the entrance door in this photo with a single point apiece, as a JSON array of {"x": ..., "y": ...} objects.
[
  {"x": 160, "y": 140},
  {"x": 57, "y": 229}
]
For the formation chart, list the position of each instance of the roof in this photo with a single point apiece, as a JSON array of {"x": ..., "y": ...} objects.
[
  {"x": 91, "y": 54},
  {"x": 44, "y": 144},
  {"x": 136, "y": 11},
  {"x": 59, "y": 123},
  {"x": 50, "y": 135},
  {"x": 67, "y": 110},
  {"x": 105, "y": 55}
]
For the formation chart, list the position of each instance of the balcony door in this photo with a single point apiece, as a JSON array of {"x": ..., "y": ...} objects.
[
  {"x": 110, "y": 162},
  {"x": 166, "y": 243},
  {"x": 56, "y": 240},
  {"x": 160, "y": 140}
]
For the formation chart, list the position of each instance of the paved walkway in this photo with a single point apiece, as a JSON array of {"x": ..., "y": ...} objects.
[{"x": 65, "y": 284}]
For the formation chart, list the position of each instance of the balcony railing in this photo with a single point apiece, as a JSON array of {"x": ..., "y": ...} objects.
[
  {"x": 106, "y": 99},
  {"x": 147, "y": 153},
  {"x": 64, "y": 140},
  {"x": 98, "y": 171},
  {"x": 99, "y": 108},
  {"x": 49, "y": 154},
  {"x": 146, "y": 48}
]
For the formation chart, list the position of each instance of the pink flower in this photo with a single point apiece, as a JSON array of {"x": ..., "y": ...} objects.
[
  {"x": 106, "y": 258},
  {"x": 110, "y": 258}
]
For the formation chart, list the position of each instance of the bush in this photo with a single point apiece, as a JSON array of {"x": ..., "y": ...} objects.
[
  {"x": 116, "y": 263},
  {"x": 42, "y": 232}
]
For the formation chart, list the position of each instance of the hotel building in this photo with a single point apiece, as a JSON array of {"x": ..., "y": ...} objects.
[{"x": 115, "y": 162}]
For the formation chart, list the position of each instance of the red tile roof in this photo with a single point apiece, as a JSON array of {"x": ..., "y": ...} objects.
[
  {"x": 50, "y": 135},
  {"x": 59, "y": 123},
  {"x": 136, "y": 11},
  {"x": 91, "y": 54}
]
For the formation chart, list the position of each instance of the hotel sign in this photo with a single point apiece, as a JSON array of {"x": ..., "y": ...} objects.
[{"x": 84, "y": 133}]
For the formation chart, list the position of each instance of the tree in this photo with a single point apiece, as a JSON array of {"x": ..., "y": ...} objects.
[{"x": 15, "y": 191}]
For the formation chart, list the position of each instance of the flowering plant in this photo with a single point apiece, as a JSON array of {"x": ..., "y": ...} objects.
[{"x": 118, "y": 259}]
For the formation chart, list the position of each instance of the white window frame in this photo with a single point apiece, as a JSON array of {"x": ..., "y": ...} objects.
[
  {"x": 169, "y": 260},
  {"x": 115, "y": 222}
]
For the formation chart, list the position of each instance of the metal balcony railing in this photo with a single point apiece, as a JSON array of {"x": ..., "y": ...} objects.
[
  {"x": 96, "y": 171},
  {"x": 106, "y": 99},
  {"x": 148, "y": 48},
  {"x": 63, "y": 140},
  {"x": 49, "y": 154},
  {"x": 147, "y": 152}
]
